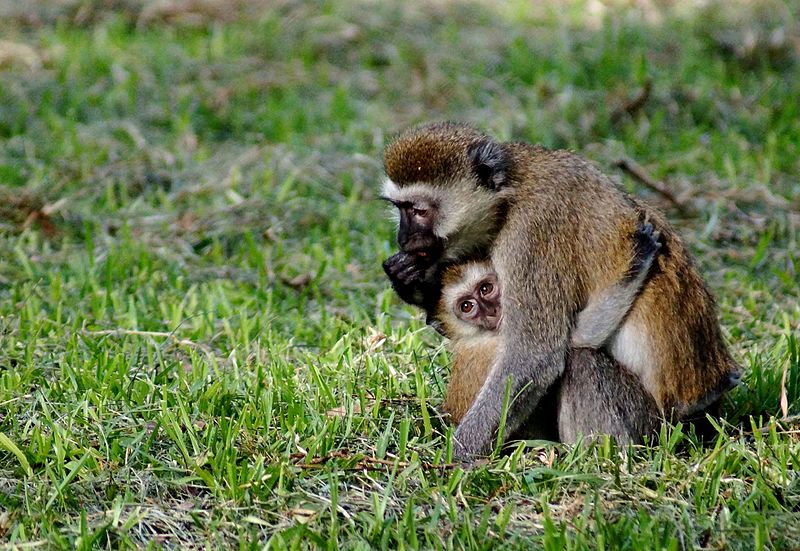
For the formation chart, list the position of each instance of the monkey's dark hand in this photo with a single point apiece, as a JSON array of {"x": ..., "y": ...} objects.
[
  {"x": 646, "y": 245},
  {"x": 414, "y": 278}
]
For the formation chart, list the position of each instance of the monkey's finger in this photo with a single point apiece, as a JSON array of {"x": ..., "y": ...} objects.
[
  {"x": 657, "y": 239},
  {"x": 403, "y": 262},
  {"x": 409, "y": 273},
  {"x": 646, "y": 228},
  {"x": 396, "y": 263}
]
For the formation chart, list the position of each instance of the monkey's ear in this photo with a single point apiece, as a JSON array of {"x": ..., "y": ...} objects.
[{"x": 489, "y": 162}]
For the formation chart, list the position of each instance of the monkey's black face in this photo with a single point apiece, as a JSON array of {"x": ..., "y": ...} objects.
[
  {"x": 415, "y": 233},
  {"x": 482, "y": 306}
]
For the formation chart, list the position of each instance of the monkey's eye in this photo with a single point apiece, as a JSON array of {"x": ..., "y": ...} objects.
[
  {"x": 486, "y": 289},
  {"x": 420, "y": 212},
  {"x": 467, "y": 306}
]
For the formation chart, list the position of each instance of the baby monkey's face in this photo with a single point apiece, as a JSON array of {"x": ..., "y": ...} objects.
[{"x": 480, "y": 304}]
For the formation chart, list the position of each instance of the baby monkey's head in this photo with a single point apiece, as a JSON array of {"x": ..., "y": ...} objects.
[{"x": 470, "y": 301}]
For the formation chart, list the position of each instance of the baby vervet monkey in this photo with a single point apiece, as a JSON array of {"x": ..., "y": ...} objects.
[
  {"x": 558, "y": 232},
  {"x": 594, "y": 396}
]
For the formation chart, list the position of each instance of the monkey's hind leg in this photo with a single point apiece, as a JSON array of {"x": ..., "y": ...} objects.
[{"x": 599, "y": 396}]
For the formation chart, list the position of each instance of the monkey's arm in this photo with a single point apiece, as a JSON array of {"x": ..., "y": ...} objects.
[
  {"x": 415, "y": 279},
  {"x": 539, "y": 299},
  {"x": 605, "y": 312},
  {"x": 530, "y": 371}
]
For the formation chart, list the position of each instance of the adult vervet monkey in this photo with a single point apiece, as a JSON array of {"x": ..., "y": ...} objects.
[{"x": 558, "y": 232}]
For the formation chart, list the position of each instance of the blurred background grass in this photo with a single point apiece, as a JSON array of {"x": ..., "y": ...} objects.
[{"x": 196, "y": 338}]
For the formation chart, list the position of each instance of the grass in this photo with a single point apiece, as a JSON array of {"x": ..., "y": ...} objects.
[{"x": 197, "y": 343}]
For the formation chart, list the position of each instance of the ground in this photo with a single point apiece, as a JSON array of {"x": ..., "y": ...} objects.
[{"x": 198, "y": 345}]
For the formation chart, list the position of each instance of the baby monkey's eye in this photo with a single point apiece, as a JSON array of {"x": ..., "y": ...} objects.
[
  {"x": 486, "y": 289},
  {"x": 467, "y": 306}
]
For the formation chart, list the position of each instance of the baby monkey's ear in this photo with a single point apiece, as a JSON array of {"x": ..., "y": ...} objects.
[{"x": 489, "y": 162}]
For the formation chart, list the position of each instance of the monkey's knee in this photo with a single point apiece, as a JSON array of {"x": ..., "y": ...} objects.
[{"x": 598, "y": 396}]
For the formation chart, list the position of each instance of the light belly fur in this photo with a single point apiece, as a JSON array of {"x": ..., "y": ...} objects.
[{"x": 631, "y": 347}]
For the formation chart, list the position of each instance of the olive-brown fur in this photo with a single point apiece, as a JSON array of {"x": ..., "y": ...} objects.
[
  {"x": 565, "y": 234},
  {"x": 594, "y": 396},
  {"x": 688, "y": 352},
  {"x": 430, "y": 153}
]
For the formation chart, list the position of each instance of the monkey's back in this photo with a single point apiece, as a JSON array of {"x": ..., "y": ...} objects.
[
  {"x": 678, "y": 315},
  {"x": 671, "y": 339}
]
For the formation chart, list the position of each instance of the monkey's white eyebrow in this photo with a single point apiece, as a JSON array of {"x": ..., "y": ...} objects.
[
  {"x": 395, "y": 202},
  {"x": 412, "y": 194}
]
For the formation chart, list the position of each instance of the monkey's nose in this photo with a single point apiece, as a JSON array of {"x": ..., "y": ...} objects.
[{"x": 490, "y": 322}]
